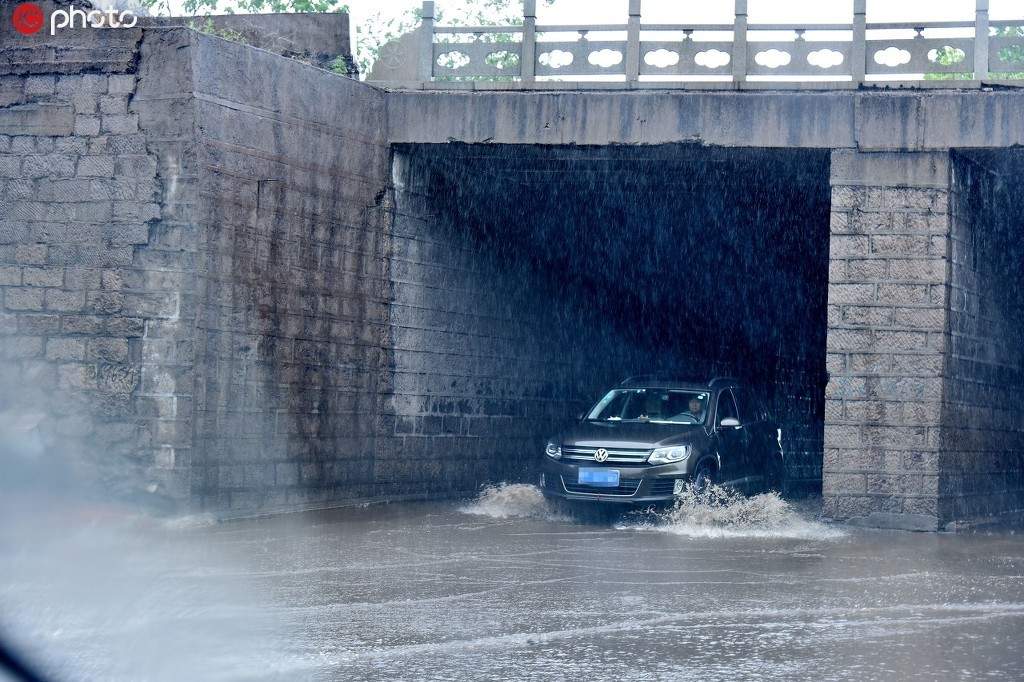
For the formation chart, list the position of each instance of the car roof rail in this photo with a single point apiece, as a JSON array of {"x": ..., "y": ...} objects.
[
  {"x": 663, "y": 377},
  {"x": 638, "y": 377}
]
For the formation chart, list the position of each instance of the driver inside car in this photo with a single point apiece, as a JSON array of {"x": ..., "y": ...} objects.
[{"x": 696, "y": 408}]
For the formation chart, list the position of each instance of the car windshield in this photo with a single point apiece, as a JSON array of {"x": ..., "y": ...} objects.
[{"x": 654, "y": 405}]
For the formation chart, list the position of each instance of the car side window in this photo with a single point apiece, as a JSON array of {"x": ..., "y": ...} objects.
[
  {"x": 726, "y": 407},
  {"x": 744, "y": 407}
]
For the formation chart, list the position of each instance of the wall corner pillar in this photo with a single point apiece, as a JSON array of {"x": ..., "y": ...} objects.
[{"x": 887, "y": 336}]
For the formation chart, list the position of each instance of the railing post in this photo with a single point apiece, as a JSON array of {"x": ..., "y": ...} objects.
[
  {"x": 859, "y": 46},
  {"x": 981, "y": 41},
  {"x": 739, "y": 43},
  {"x": 426, "y": 66},
  {"x": 633, "y": 42},
  {"x": 528, "y": 50}
]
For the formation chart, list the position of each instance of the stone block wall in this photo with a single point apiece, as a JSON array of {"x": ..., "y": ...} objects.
[
  {"x": 982, "y": 460},
  {"x": 73, "y": 51},
  {"x": 316, "y": 38},
  {"x": 191, "y": 263},
  {"x": 887, "y": 337},
  {"x": 476, "y": 380},
  {"x": 86, "y": 276},
  {"x": 291, "y": 166}
]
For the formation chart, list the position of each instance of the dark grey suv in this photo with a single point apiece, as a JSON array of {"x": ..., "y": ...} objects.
[{"x": 646, "y": 439}]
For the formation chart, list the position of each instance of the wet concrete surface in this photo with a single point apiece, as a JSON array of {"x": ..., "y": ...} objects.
[{"x": 506, "y": 589}]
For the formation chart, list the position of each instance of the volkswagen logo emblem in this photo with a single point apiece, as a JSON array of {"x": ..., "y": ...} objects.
[{"x": 601, "y": 455}]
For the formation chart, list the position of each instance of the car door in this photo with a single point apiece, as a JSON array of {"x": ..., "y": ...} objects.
[
  {"x": 752, "y": 424},
  {"x": 732, "y": 440}
]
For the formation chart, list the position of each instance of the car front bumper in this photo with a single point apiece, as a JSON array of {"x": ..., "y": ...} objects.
[{"x": 638, "y": 485}]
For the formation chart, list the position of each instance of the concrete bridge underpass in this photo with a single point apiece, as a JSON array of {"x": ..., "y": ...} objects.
[{"x": 240, "y": 283}]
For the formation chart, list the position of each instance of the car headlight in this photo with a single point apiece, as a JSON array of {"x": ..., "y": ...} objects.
[
  {"x": 676, "y": 453},
  {"x": 553, "y": 451}
]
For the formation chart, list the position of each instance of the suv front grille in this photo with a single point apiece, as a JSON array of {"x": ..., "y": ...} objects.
[
  {"x": 615, "y": 455},
  {"x": 626, "y": 487}
]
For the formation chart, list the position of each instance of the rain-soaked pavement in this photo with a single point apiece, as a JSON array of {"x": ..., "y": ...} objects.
[{"x": 502, "y": 588}]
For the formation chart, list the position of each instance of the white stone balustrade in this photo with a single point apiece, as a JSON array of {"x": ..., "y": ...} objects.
[{"x": 961, "y": 53}]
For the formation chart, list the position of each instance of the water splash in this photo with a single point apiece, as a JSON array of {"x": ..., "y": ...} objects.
[
  {"x": 721, "y": 513},
  {"x": 190, "y": 521},
  {"x": 512, "y": 501}
]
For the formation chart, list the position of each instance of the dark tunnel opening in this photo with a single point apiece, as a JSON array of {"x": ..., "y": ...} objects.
[{"x": 527, "y": 280}]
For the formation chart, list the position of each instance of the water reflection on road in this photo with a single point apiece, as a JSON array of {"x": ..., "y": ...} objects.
[{"x": 503, "y": 588}]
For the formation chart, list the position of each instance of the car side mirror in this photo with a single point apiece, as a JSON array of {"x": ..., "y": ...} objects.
[{"x": 729, "y": 421}]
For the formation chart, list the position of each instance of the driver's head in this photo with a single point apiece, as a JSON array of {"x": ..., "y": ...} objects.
[{"x": 696, "y": 406}]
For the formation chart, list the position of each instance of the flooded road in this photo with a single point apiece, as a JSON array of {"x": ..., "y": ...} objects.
[{"x": 504, "y": 588}]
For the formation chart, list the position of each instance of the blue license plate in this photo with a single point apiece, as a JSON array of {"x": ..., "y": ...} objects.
[{"x": 608, "y": 478}]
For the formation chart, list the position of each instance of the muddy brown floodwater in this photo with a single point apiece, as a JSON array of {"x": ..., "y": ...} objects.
[{"x": 503, "y": 588}]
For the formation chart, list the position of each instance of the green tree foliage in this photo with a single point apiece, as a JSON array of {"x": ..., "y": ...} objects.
[
  {"x": 948, "y": 56},
  {"x": 379, "y": 30}
]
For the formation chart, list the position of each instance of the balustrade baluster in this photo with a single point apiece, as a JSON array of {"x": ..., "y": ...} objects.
[
  {"x": 981, "y": 40},
  {"x": 633, "y": 42},
  {"x": 739, "y": 43},
  {"x": 426, "y": 65},
  {"x": 858, "y": 48},
  {"x": 528, "y": 52}
]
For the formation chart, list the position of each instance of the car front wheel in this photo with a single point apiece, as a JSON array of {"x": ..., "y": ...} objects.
[{"x": 705, "y": 475}]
